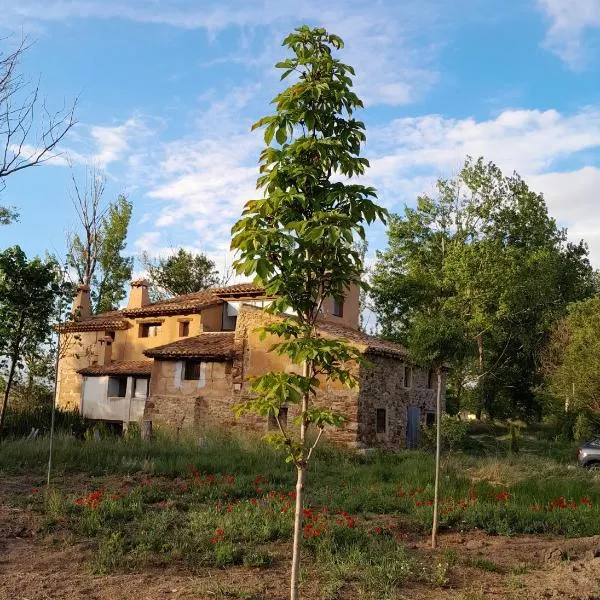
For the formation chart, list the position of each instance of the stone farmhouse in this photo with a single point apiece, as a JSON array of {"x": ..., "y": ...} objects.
[{"x": 185, "y": 362}]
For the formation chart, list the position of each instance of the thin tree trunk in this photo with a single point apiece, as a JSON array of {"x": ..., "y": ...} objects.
[
  {"x": 11, "y": 374},
  {"x": 438, "y": 444},
  {"x": 301, "y": 470},
  {"x": 480, "y": 385}
]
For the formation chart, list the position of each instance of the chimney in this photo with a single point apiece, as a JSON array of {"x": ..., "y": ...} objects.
[
  {"x": 138, "y": 296},
  {"x": 105, "y": 350},
  {"x": 82, "y": 305}
]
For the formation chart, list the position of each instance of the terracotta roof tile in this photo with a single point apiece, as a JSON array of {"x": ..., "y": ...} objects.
[
  {"x": 178, "y": 305},
  {"x": 239, "y": 289},
  {"x": 109, "y": 320},
  {"x": 374, "y": 345},
  {"x": 135, "y": 367},
  {"x": 209, "y": 345}
]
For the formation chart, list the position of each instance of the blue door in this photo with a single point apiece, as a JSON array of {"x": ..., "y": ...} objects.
[{"x": 413, "y": 422}]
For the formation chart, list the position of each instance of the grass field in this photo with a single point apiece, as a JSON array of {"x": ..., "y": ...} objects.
[{"x": 229, "y": 501}]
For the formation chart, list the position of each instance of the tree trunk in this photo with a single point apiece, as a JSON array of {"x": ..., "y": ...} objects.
[
  {"x": 480, "y": 386},
  {"x": 11, "y": 374},
  {"x": 297, "y": 534},
  {"x": 438, "y": 444},
  {"x": 301, "y": 471}
]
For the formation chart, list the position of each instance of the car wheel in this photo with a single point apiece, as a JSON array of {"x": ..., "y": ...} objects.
[{"x": 595, "y": 466}]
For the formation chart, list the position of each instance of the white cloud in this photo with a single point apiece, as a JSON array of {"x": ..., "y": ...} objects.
[
  {"x": 391, "y": 44},
  {"x": 412, "y": 152},
  {"x": 569, "y": 21}
]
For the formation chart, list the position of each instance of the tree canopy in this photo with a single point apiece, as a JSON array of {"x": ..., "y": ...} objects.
[
  {"x": 508, "y": 272},
  {"x": 29, "y": 293},
  {"x": 180, "y": 273}
]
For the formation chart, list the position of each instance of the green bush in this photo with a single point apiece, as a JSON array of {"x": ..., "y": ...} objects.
[
  {"x": 454, "y": 434},
  {"x": 584, "y": 427}
]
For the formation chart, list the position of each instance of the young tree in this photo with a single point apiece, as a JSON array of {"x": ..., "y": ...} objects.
[
  {"x": 571, "y": 360},
  {"x": 181, "y": 273},
  {"x": 510, "y": 268},
  {"x": 299, "y": 239},
  {"x": 95, "y": 254},
  {"x": 25, "y": 139},
  {"x": 29, "y": 291}
]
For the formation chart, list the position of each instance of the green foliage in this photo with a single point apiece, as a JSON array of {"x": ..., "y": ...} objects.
[
  {"x": 114, "y": 269},
  {"x": 584, "y": 428},
  {"x": 8, "y": 215},
  {"x": 29, "y": 293},
  {"x": 454, "y": 434},
  {"x": 299, "y": 240},
  {"x": 502, "y": 270},
  {"x": 180, "y": 273},
  {"x": 571, "y": 359}
]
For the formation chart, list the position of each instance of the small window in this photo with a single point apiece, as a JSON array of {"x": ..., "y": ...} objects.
[
  {"x": 149, "y": 330},
  {"x": 430, "y": 419},
  {"x": 192, "y": 370},
  {"x": 431, "y": 380},
  {"x": 381, "y": 420},
  {"x": 184, "y": 328},
  {"x": 338, "y": 308},
  {"x": 111, "y": 335},
  {"x": 117, "y": 387},
  {"x": 140, "y": 388},
  {"x": 407, "y": 377},
  {"x": 282, "y": 415}
]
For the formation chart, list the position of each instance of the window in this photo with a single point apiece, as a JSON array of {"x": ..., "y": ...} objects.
[
  {"x": 430, "y": 419},
  {"x": 192, "y": 370},
  {"x": 338, "y": 308},
  {"x": 407, "y": 377},
  {"x": 140, "y": 387},
  {"x": 111, "y": 335},
  {"x": 184, "y": 328},
  {"x": 149, "y": 330},
  {"x": 117, "y": 387},
  {"x": 282, "y": 415},
  {"x": 381, "y": 420},
  {"x": 431, "y": 380}
]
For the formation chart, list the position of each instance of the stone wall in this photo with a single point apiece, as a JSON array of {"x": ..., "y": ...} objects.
[
  {"x": 175, "y": 403},
  {"x": 382, "y": 385}
]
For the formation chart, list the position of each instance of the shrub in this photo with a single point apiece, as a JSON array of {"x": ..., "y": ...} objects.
[
  {"x": 454, "y": 434},
  {"x": 584, "y": 428}
]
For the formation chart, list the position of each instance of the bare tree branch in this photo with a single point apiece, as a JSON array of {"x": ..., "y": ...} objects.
[{"x": 26, "y": 139}]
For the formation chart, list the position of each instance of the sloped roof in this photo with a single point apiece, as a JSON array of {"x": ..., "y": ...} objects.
[
  {"x": 173, "y": 306},
  {"x": 207, "y": 345},
  {"x": 134, "y": 367},
  {"x": 185, "y": 304},
  {"x": 109, "y": 320},
  {"x": 374, "y": 345}
]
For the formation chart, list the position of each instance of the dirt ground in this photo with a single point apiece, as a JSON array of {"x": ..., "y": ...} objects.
[{"x": 36, "y": 566}]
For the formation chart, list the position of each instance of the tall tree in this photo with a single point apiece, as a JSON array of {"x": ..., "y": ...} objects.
[
  {"x": 29, "y": 131},
  {"x": 571, "y": 360},
  {"x": 29, "y": 290},
  {"x": 95, "y": 254},
  {"x": 299, "y": 239},
  {"x": 511, "y": 269},
  {"x": 180, "y": 273}
]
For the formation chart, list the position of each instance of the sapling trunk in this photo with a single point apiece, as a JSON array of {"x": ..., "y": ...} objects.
[
  {"x": 438, "y": 444},
  {"x": 297, "y": 534}
]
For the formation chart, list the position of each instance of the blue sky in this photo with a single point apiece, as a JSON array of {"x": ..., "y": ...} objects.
[{"x": 168, "y": 90}]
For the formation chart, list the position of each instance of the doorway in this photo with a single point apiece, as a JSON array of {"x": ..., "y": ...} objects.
[{"x": 413, "y": 422}]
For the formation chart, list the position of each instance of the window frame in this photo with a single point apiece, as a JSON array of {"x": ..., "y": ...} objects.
[
  {"x": 147, "y": 326},
  {"x": 190, "y": 364},
  {"x": 283, "y": 418},
  {"x": 135, "y": 385},
  {"x": 337, "y": 309},
  {"x": 184, "y": 328},
  {"x": 381, "y": 412},
  {"x": 408, "y": 381}
]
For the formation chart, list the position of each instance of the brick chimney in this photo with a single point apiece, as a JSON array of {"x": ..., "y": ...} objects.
[
  {"x": 82, "y": 305},
  {"x": 138, "y": 296},
  {"x": 104, "y": 350}
]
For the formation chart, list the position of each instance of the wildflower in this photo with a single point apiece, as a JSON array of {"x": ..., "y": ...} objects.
[
  {"x": 585, "y": 501},
  {"x": 220, "y": 532},
  {"x": 378, "y": 530},
  {"x": 215, "y": 540},
  {"x": 35, "y": 490}
]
